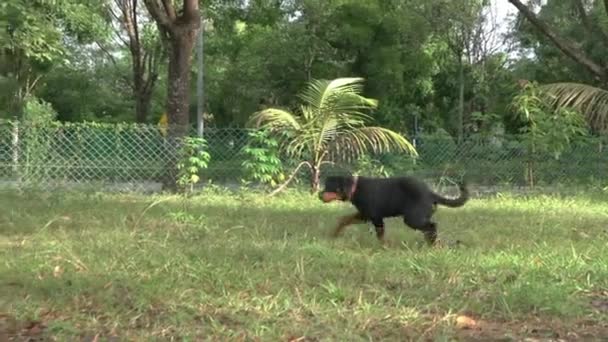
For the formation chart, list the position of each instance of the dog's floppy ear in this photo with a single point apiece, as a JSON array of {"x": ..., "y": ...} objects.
[
  {"x": 342, "y": 183},
  {"x": 338, "y": 171},
  {"x": 333, "y": 175}
]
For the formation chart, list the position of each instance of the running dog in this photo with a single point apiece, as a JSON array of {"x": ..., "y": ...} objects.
[{"x": 378, "y": 198}]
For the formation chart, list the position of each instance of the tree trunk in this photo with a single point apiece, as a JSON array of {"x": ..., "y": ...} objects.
[
  {"x": 291, "y": 177},
  {"x": 142, "y": 89},
  {"x": 178, "y": 102},
  {"x": 142, "y": 105},
  {"x": 144, "y": 79},
  {"x": 315, "y": 179},
  {"x": 144, "y": 59},
  {"x": 179, "y": 30},
  {"x": 565, "y": 45},
  {"x": 178, "y": 88}
]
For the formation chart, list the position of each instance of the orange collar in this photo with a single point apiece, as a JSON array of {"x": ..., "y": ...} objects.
[{"x": 353, "y": 188}]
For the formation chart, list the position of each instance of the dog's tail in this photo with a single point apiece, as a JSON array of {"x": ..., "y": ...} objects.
[{"x": 454, "y": 202}]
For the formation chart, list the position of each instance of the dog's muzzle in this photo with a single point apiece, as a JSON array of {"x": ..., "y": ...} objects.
[{"x": 328, "y": 196}]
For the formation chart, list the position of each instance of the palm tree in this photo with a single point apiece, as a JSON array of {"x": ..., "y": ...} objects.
[
  {"x": 329, "y": 126},
  {"x": 590, "y": 101}
]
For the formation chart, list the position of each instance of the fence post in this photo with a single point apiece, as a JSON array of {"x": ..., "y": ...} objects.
[
  {"x": 15, "y": 148},
  {"x": 600, "y": 149}
]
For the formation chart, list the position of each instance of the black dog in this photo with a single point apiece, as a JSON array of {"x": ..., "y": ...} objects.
[{"x": 379, "y": 198}]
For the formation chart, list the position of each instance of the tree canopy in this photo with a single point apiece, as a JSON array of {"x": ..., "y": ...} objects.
[{"x": 433, "y": 65}]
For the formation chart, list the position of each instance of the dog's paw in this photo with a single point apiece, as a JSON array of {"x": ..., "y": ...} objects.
[
  {"x": 439, "y": 244},
  {"x": 386, "y": 244}
]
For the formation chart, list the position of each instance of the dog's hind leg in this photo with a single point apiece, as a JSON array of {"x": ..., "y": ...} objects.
[
  {"x": 379, "y": 226},
  {"x": 424, "y": 224},
  {"x": 346, "y": 221},
  {"x": 430, "y": 233}
]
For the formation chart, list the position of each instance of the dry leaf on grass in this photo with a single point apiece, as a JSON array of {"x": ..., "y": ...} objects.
[
  {"x": 57, "y": 271},
  {"x": 464, "y": 322}
]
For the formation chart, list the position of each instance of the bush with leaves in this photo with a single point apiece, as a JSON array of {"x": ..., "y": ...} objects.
[
  {"x": 547, "y": 129},
  {"x": 193, "y": 158},
  {"x": 37, "y": 118},
  {"x": 370, "y": 166},
  {"x": 262, "y": 163}
]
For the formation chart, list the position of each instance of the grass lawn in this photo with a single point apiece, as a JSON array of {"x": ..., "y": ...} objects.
[{"x": 244, "y": 267}]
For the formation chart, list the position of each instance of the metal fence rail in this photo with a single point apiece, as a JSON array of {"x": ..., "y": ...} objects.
[{"x": 135, "y": 157}]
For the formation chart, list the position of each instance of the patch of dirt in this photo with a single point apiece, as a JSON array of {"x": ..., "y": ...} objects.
[
  {"x": 599, "y": 302},
  {"x": 13, "y": 330},
  {"x": 292, "y": 338},
  {"x": 533, "y": 330}
]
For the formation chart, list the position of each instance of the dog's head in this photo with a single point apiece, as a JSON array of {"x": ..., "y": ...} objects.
[{"x": 337, "y": 188}]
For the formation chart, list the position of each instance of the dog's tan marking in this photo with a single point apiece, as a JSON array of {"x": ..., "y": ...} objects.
[
  {"x": 346, "y": 221},
  {"x": 380, "y": 234}
]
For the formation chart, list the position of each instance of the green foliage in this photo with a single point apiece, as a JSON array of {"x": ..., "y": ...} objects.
[
  {"x": 193, "y": 158},
  {"x": 587, "y": 34},
  {"x": 36, "y": 36},
  {"x": 262, "y": 163},
  {"x": 331, "y": 118},
  {"x": 331, "y": 126},
  {"x": 38, "y": 115},
  {"x": 262, "y": 53},
  {"x": 95, "y": 155},
  {"x": 38, "y": 112},
  {"x": 88, "y": 153},
  {"x": 369, "y": 166},
  {"x": 546, "y": 129},
  {"x": 484, "y": 123},
  {"x": 591, "y": 101}
]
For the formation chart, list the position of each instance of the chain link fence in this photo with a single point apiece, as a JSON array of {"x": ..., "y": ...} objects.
[{"x": 134, "y": 157}]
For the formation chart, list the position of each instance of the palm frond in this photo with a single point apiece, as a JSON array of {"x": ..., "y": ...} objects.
[
  {"x": 300, "y": 145},
  {"x": 326, "y": 134},
  {"x": 338, "y": 95},
  {"x": 356, "y": 142},
  {"x": 318, "y": 91},
  {"x": 353, "y": 106},
  {"x": 332, "y": 121},
  {"x": 274, "y": 118},
  {"x": 308, "y": 113},
  {"x": 591, "y": 101}
]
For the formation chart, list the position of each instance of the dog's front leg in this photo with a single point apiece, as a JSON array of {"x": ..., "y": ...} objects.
[
  {"x": 380, "y": 233},
  {"x": 346, "y": 221},
  {"x": 379, "y": 226}
]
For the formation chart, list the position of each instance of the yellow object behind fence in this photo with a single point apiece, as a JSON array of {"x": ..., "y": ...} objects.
[{"x": 163, "y": 124}]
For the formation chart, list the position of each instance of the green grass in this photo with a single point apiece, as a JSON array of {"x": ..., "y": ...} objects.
[{"x": 223, "y": 266}]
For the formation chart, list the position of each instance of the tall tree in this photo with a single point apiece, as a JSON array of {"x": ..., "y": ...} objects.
[
  {"x": 35, "y": 38},
  {"x": 179, "y": 29},
  {"x": 141, "y": 39},
  {"x": 459, "y": 23},
  {"x": 567, "y": 45},
  {"x": 590, "y": 18}
]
